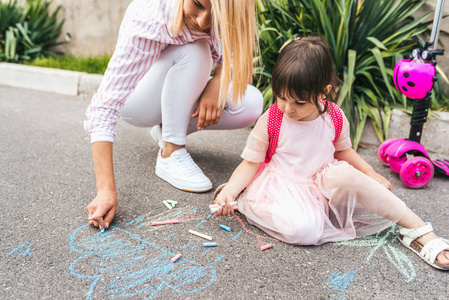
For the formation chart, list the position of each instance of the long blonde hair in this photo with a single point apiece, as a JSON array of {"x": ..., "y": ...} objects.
[{"x": 234, "y": 24}]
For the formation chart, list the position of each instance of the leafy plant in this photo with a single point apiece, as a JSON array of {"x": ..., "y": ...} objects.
[
  {"x": 28, "y": 31},
  {"x": 366, "y": 38},
  {"x": 93, "y": 65}
]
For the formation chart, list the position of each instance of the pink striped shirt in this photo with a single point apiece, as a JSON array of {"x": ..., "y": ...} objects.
[{"x": 144, "y": 33}]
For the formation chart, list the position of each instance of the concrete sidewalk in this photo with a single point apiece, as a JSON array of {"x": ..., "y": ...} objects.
[
  {"x": 48, "y": 252},
  {"x": 83, "y": 85}
]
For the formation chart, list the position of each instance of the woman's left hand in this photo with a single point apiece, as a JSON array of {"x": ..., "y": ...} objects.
[{"x": 208, "y": 111}]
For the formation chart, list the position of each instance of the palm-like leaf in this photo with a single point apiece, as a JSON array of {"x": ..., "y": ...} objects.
[{"x": 366, "y": 39}]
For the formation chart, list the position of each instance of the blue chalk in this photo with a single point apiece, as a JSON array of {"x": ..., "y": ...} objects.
[
  {"x": 102, "y": 229},
  {"x": 210, "y": 244},
  {"x": 225, "y": 227}
]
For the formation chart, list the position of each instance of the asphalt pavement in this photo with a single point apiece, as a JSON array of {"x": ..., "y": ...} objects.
[{"x": 47, "y": 251}]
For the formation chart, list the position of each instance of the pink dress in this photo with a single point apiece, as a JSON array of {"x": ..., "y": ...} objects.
[{"x": 304, "y": 195}]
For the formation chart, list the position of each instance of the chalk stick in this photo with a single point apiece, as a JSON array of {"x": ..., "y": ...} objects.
[
  {"x": 175, "y": 258},
  {"x": 168, "y": 205},
  {"x": 209, "y": 244},
  {"x": 265, "y": 247},
  {"x": 102, "y": 229},
  {"x": 164, "y": 222},
  {"x": 202, "y": 235},
  {"x": 171, "y": 201},
  {"x": 227, "y": 228}
]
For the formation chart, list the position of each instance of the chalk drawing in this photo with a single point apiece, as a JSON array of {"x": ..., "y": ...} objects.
[
  {"x": 394, "y": 255},
  {"x": 200, "y": 223},
  {"x": 122, "y": 264},
  {"x": 219, "y": 258},
  {"x": 204, "y": 253},
  {"x": 135, "y": 220},
  {"x": 259, "y": 237},
  {"x": 141, "y": 225},
  {"x": 340, "y": 282},
  {"x": 170, "y": 236},
  {"x": 20, "y": 249},
  {"x": 237, "y": 235}
]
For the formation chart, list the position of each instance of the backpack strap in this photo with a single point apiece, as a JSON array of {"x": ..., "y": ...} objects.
[
  {"x": 275, "y": 120},
  {"x": 336, "y": 115},
  {"x": 273, "y": 127}
]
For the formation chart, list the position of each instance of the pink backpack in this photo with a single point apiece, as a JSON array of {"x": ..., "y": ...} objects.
[{"x": 275, "y": 120}]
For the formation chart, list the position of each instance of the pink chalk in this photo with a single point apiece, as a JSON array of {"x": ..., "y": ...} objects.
[
  {"x": 265, "y": 247},
  {"x": 164, "y": 222},
  {"x": 175, "y": 258}
]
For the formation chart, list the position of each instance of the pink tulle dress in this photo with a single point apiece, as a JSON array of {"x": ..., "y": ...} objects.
[{"x": 304, "y": 195}]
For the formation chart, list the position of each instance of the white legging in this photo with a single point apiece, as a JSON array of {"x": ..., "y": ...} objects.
[{"x": 170, "y": 90}]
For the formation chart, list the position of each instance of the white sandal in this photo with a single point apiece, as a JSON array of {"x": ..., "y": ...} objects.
[{"x": 430, "y": 250}]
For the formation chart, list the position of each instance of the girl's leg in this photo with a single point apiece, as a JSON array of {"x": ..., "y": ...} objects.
[{"x": 339, "y": 183}]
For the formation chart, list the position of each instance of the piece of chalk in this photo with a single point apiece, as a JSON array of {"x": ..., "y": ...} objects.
[
  {"x": 265, "y": 247},
  {"x": 172, "y": 202},
  {"x": 202, "y": 235},
  {"x": 227, "y": 228},
  {"x": 164, "y": 222},
  {"x": 168, "y": 205},
  {"x": 209, "y": 244},
  {"x": 103, "y": 229},
  {"x": 175, "y": 258}
]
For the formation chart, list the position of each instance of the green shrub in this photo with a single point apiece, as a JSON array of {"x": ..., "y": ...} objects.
[
  {"x": 366, "y": 41},
  {"x": 28, "y": 31},
  {"x": 93, "y": 65}
]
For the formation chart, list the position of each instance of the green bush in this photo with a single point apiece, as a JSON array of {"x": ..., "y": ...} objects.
[
  {"x": 93, "y": 65},
  {"x": 28, "y": 30},
  {"x": 366, "y": 38}
]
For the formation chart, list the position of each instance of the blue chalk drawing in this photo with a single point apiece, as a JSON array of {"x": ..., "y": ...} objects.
[
  {"x": 177, "y": 214},
  {"x": 395, "y": 256},
  {"x": 135, "y": 220},
  {"x": 126, "y": 265},
  {"x": 204, "y": 253},
  {"x": 186, "y": 245},
  {"x": 219, "y": 258},
  {"x": 21, "y": 252},
  {"x": 338, "y": 282},
  {"x": 191, "y": 249},
  {"x": 141, "y": 225},
  {"x": 170, "y": 236},
  {"x": 201, "y": 222},
  {"x": 237, "y": 235}
]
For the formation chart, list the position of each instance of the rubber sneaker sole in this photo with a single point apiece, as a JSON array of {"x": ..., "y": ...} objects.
[{"x": 164, "y": 176}]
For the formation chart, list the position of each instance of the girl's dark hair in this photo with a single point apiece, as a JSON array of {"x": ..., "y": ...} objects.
[{"x": 303, "y": 70}]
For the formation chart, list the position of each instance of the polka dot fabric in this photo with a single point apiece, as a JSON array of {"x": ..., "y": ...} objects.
[
  {"x": 274, "y": 126},
  {"x": 275, "y": 120}
]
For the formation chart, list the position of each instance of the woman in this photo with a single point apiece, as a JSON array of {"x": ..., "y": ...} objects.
[{"x": 159, "y": 76}]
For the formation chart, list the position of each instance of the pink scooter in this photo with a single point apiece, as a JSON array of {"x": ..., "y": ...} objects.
[{"x": 414, "y": 78}]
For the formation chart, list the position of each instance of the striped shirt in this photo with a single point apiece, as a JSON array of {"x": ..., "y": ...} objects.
[{"x": 144, "y": 33}]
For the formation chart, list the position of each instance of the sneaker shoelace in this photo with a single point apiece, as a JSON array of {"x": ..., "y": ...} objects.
[{"x": 186, "y": 162}]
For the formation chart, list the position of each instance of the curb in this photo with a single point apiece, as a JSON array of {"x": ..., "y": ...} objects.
[
  {"x": 435, "y": 135},
  {"x": 58, "y": 81}
]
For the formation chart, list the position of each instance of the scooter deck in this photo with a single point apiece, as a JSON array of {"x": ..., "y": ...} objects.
[{"x": 441, "y": 166}]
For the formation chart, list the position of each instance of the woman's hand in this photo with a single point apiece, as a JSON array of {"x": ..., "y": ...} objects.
[
  {"x": 224, "y": 201},
  {"x": 208, "y": 111},
  {"x": 103, "y": 208},
  {"x": 379, "y": 178}
]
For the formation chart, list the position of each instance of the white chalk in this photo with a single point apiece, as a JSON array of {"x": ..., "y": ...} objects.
[
  {"x": 215, "y": 207},
  {"x": 202, "y": 235},
  {"x": 168, "y": 205}
]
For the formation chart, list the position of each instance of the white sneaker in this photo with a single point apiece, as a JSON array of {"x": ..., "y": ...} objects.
[
  {"x": 156, "y": 134},
  {"x": 182, "y": 172}
]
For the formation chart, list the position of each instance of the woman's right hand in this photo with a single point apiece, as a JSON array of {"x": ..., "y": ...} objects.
[{"x": 103, "y": 208}]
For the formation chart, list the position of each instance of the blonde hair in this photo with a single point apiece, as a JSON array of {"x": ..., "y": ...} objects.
[{"x": 234, "y": 24}]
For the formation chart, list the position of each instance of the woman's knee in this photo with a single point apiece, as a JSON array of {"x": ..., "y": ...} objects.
[
  {"x": 198, "y": 53},
  {"x": 254, "y": 101}
]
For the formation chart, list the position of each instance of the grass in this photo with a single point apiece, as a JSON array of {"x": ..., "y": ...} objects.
[{"x": 91, "y": 65}]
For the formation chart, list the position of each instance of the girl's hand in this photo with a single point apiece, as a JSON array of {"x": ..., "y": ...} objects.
[
  {"x": 379, "y": 178},
  {"x": 208, "y": 111},
  {"x": 103, "y": 208},
  {"x": 226, "y": 207}
]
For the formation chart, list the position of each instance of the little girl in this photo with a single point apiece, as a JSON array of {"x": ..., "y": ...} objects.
[{"x": 316, "y": 188}]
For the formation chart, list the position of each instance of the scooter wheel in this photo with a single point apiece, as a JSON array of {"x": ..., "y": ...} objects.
[
  {"x": 381, "y": 155},
  {"x": 417, "y": 172}
]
